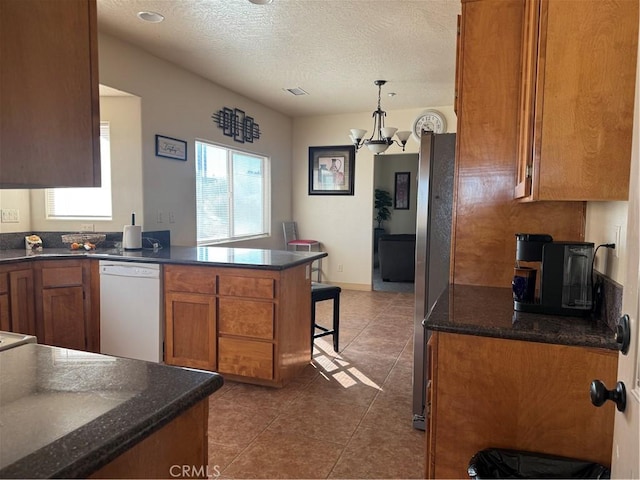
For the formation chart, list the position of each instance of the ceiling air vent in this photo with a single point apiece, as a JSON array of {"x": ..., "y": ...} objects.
[{"x": 295, "y": 91}]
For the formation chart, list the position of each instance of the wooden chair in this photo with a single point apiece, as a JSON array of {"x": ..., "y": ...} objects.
[{"x": 293, "y": 242}]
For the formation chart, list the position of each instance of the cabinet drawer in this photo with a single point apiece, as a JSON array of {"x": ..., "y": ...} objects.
[
  {"x": 61, "y": 276},
  {"x": 245, "y": 357},
  {"x": 246, "y": 286},
  {"x": 247, "y": 318},
  {"x": 190, "y": 279}
]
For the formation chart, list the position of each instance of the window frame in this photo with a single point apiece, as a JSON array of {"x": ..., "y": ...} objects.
[
  {"x": 50, "y": 192},
  {"x": 266, "y": 193}
]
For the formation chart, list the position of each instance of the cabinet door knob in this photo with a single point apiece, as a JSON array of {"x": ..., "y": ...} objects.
[
  {"x": 600, "y": 394},
  {"x": 623, "y": 333}
]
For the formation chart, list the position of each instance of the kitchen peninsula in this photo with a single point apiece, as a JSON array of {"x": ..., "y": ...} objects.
[
  {"x": 245, "y": 313},
  {"x": 72, "y": 414},
  {"x": 513, "y": 380}
]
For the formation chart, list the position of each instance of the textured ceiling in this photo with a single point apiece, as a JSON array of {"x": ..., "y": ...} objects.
[{"x": 333, "y": 49}]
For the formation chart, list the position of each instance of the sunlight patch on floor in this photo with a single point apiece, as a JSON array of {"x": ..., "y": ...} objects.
[{"x": 333, "y": 366}]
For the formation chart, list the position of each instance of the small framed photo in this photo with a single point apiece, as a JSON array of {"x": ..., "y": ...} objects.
[
  {"x": 331, "y": 170},
  {"x": 401, "y": 196},
  {"x": 173, "y": 148}
]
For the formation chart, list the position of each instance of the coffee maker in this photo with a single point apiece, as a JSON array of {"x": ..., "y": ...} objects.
[{"x": 564, "y": 272}]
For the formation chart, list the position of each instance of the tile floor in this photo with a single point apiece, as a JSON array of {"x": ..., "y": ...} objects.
[{"x": 347, "y": 416}]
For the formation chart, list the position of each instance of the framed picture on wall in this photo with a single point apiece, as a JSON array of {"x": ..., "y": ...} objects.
[
  {"x": 401, "y": 195},
  {"x": 331, "y": 170},
  {"x": 173, "y": 148}
]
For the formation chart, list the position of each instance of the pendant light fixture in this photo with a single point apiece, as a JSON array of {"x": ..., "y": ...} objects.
[{"x": 383, "y": 135}]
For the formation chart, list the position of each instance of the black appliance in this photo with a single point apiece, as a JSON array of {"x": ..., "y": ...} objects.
[{"x": 564, "y": 271}]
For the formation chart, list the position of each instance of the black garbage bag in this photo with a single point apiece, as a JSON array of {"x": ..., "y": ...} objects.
[{"x": 499, "y": 463}]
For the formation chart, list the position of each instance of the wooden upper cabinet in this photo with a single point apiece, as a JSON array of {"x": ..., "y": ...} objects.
[
  {"x": 49, "y": 100},
  {"x": 576, "y": 99}
]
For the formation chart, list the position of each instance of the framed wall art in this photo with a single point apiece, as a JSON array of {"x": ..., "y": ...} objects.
[
  {"x": 401, "y": 195},
  {"x": 173, "y": 148},
  {"x": 332, "y": 170}
]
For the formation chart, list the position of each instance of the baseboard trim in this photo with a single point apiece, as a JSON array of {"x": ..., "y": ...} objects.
[{"x": 362, "y": 287}]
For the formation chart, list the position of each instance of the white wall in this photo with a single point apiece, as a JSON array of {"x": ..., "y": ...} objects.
[
  {"x": 602, "y": 220},
  {"x": 385, "y": 168},
  {"x": 344, "y": 223},
  {"x": 18, "y": 200},
  {"x": 179, "y": 104},
  {"x": 123, "y": 115}
]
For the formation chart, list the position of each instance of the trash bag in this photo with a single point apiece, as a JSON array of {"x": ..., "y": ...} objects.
[{"x": 499, "y": 463}]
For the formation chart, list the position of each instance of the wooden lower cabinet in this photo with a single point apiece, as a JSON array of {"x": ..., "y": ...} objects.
[
  {"x": 17, "y": 312},
  {"x": 190, "y": 332},
  {"x": 249, "y": 325},
  {"x": 63, "y": 304},
  {"x": 497, "y": 393},
  {"x": 63, "y": 317},
  {"x": 177, "y": 450}
]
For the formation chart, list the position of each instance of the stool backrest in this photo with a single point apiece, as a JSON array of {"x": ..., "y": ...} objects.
[{"x": 290, "y": 232}]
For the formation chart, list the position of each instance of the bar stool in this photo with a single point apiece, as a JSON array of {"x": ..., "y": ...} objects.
[
  {"x": 319, "y": 293},
  {"x": 291, "y": 240}
]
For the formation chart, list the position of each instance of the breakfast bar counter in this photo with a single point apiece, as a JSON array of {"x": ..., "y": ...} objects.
[
  {"x": 252, "y": 258},
  {"x": 241, "y": 312},
  {"x": 67, "y": 413}
]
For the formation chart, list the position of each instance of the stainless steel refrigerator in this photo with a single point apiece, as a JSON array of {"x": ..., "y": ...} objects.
[{"x": 433, "y": 243}]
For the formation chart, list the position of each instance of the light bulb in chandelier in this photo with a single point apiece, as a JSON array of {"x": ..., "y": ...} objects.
[{"x": 382, "y": 137}]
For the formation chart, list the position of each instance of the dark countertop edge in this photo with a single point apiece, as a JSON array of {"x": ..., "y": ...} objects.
[
  {"x": 436, "y": 322},
  {"x": 122, "y": 258},
  {"x": 87, "y": 463},
  {"x": 522, "y": 335}
]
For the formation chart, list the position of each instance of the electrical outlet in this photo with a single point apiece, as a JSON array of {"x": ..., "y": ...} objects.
[
  {"x": 87, "y": 227},
  {"x": 10, "y": 215},
  {"x": 616, "y": 250},
  {"x": 340, "y": 267},
  {"x": 172, "y": 217},
  {"x": 159, "y": 217}
]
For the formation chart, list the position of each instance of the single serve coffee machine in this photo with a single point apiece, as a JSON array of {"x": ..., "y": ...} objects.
[{"x": 552, "y": 277}]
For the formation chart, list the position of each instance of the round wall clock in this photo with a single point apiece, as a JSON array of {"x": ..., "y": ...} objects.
[{"x": 431, "y": 120}]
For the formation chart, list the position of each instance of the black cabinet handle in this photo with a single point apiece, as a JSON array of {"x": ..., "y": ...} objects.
[
  {"x": 600, "y": 394},
  {"x": 623, "y": 333}
]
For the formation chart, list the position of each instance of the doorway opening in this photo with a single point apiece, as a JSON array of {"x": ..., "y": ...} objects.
[{"x": 397, "y": 174}]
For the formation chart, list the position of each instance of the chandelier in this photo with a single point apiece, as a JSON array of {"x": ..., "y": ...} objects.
[{"x": 384, "y": 135}]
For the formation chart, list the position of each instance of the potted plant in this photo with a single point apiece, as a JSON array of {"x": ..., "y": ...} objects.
[{"x": 382, "y": 204}]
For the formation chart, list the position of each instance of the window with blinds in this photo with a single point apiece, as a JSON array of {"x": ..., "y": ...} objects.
[
  {"x": 90, "y": 203},
  {"x": 232, "y": 194}
]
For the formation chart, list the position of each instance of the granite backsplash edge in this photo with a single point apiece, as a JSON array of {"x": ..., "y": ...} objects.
[{"x": 611, "y": 307}]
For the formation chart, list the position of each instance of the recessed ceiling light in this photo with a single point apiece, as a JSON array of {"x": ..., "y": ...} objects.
[
  {"x": 151, "y": 17},
  {"x": 261, "y": 2}
]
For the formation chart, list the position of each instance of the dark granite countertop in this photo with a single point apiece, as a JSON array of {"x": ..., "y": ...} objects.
[
  {"x": 66, "y": 413},
  {"x": 215, "y": 256},
  {"x": 488, "y": 312}
]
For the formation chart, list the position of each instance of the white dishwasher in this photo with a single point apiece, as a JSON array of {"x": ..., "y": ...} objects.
[{"x": 130, "y": 310}]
